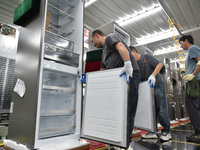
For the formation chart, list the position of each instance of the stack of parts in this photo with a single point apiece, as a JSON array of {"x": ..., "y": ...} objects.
[{"x": 93, "y": 60}]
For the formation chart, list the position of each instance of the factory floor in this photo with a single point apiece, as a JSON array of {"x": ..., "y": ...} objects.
[{"x": 178, "y": 141}]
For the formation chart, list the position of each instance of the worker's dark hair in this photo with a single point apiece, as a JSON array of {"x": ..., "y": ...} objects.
[
  {"x": 188, "y": 37},
  {"x": 98, "y": 32},
  {"x": 132, "y": 48}
]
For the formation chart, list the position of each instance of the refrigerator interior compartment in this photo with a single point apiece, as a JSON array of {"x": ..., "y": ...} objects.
[
  {"x": 58, "y": 17},
  {"x": 57, "y": 102},
  {"x": 63, "y": 5},
  {"x": 59, "y": 41},
  {"x": 52, "y": 126},
  {"x": 63, "y": 31},
  {"x": 55, "y": 80},
  {"x": 61, "y": 55}
]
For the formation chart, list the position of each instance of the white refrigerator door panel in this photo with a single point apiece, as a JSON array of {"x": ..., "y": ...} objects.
[
  {"x": 105, "y": 107},
  {"x": 145, "y": 114}
]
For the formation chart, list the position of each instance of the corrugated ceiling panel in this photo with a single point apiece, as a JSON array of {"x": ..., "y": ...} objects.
[
  {"x": 196, "y": 36},
  {"x": 161, "y": 20},
  {"x": 161, "y": 44},
  {"x": 125, "y": 8},
  {"x": 186, "y": 12}
]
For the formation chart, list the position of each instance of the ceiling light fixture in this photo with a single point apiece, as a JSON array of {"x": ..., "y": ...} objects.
[
  {"x": 165, "y": 51},
  {"x": 155, "y": 37},
  {"x": 142, "y": 14},
  {"x": 177, "y": 60},
  {"x": 89, "y": 2}
]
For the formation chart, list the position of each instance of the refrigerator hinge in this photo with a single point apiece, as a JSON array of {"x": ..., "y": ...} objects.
[{"x": 79, "y": 73}]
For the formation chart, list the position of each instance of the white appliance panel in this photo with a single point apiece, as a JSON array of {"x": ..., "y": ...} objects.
[
  {"x": 145, "y": 114},
  {"x": 105, "y": 110}
]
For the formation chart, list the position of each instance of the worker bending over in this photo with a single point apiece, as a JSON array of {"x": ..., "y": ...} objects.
[{"x": 149, "y": 69}]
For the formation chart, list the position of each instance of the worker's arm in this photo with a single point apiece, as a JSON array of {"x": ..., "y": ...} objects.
[
  {"x": 197, "y": 69},
  {"x": 102, "y": 68},
  {"x": 157, "y": 69},
  {"x": 124, "y": 53},
  {"x": 152, "y": 79}
]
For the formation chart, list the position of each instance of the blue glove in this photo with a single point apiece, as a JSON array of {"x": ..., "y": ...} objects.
[
  {"x": 152, "y": 81},
  {"x": 84, "y": 78},
  {"x": 127, "y": 77},
  {"x": 127, "y": 70}
]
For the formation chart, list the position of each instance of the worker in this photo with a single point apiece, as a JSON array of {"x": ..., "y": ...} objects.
[
  {"x": 150, "y": 68},
  {"x": 116, "y": 54},
  {"x": 192, "y": 68}
]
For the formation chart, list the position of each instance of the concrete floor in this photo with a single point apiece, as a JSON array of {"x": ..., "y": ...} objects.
[{"x": 178, "y": 141}]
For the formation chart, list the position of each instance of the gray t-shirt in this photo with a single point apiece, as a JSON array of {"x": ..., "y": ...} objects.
[
  {"x": 111, "y": 57},
  {"x": 147, "y": 63},
  {"x": 190, "y": 63}
]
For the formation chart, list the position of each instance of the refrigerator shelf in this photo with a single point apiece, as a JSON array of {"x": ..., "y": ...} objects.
[
  {"x": 53, "y": 132},
  {"x": 57, "y": 129},
  {"x": 62, "y": 33},
  {"x": 59, "y": 22},
  {"x": 49, "y": 113},
  {"x": 47, "y": 87},
  {"x": 67, "y": 62},
  {"x": 65, "y": 5},
  {"x": 56, "y": 125},
  {"x": 58, "y": 12},
  {"x": 61, "y": 55},
  {"x": 58, "y": 41},
  {"x": 58, "y": 102}
]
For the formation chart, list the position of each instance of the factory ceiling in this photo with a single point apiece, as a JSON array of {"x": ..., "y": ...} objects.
[{"x": 157, "y": 24}]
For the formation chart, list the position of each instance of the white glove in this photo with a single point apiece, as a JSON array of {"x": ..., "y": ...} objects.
[
  {"x": 198, "y": 63},
  {"x": 152, "y": 81},
  {"x": 127, "y": 70},
  {"x": 189, "y": 77}
]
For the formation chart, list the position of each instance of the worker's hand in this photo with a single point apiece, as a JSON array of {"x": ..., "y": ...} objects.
[
  {"x": 189, "y": 77},
  {"x": 177, "y": 69},
  {"x": 198, "y": 63},
  {"x": 127, "y": 70},
  {"x": 152, "y": 81},
  {"x": 84, "y": 78}
]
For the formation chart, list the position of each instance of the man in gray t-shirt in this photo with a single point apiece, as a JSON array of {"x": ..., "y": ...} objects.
[
  {"x": 150, "y": 68},
  {"x": 117, "y": 54},
  {"x": 192, "y": 69}
]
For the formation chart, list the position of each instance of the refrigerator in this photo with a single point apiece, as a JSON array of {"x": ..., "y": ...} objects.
[
  {"x": 47, "y": 107},
  {"x": 8, "y": 49}
]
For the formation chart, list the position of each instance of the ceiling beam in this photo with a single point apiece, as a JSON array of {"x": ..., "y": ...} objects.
[{"x": 169, "y": 13}]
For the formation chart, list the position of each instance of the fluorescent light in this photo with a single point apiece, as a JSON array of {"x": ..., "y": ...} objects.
[
  {"x": 154, "y": 37},
  {"x": 144, "y": 13},
  {"x": 177, "y": 60},
  {"x": 89, "y": 2},
  {"x": 165, "y": 51}
]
